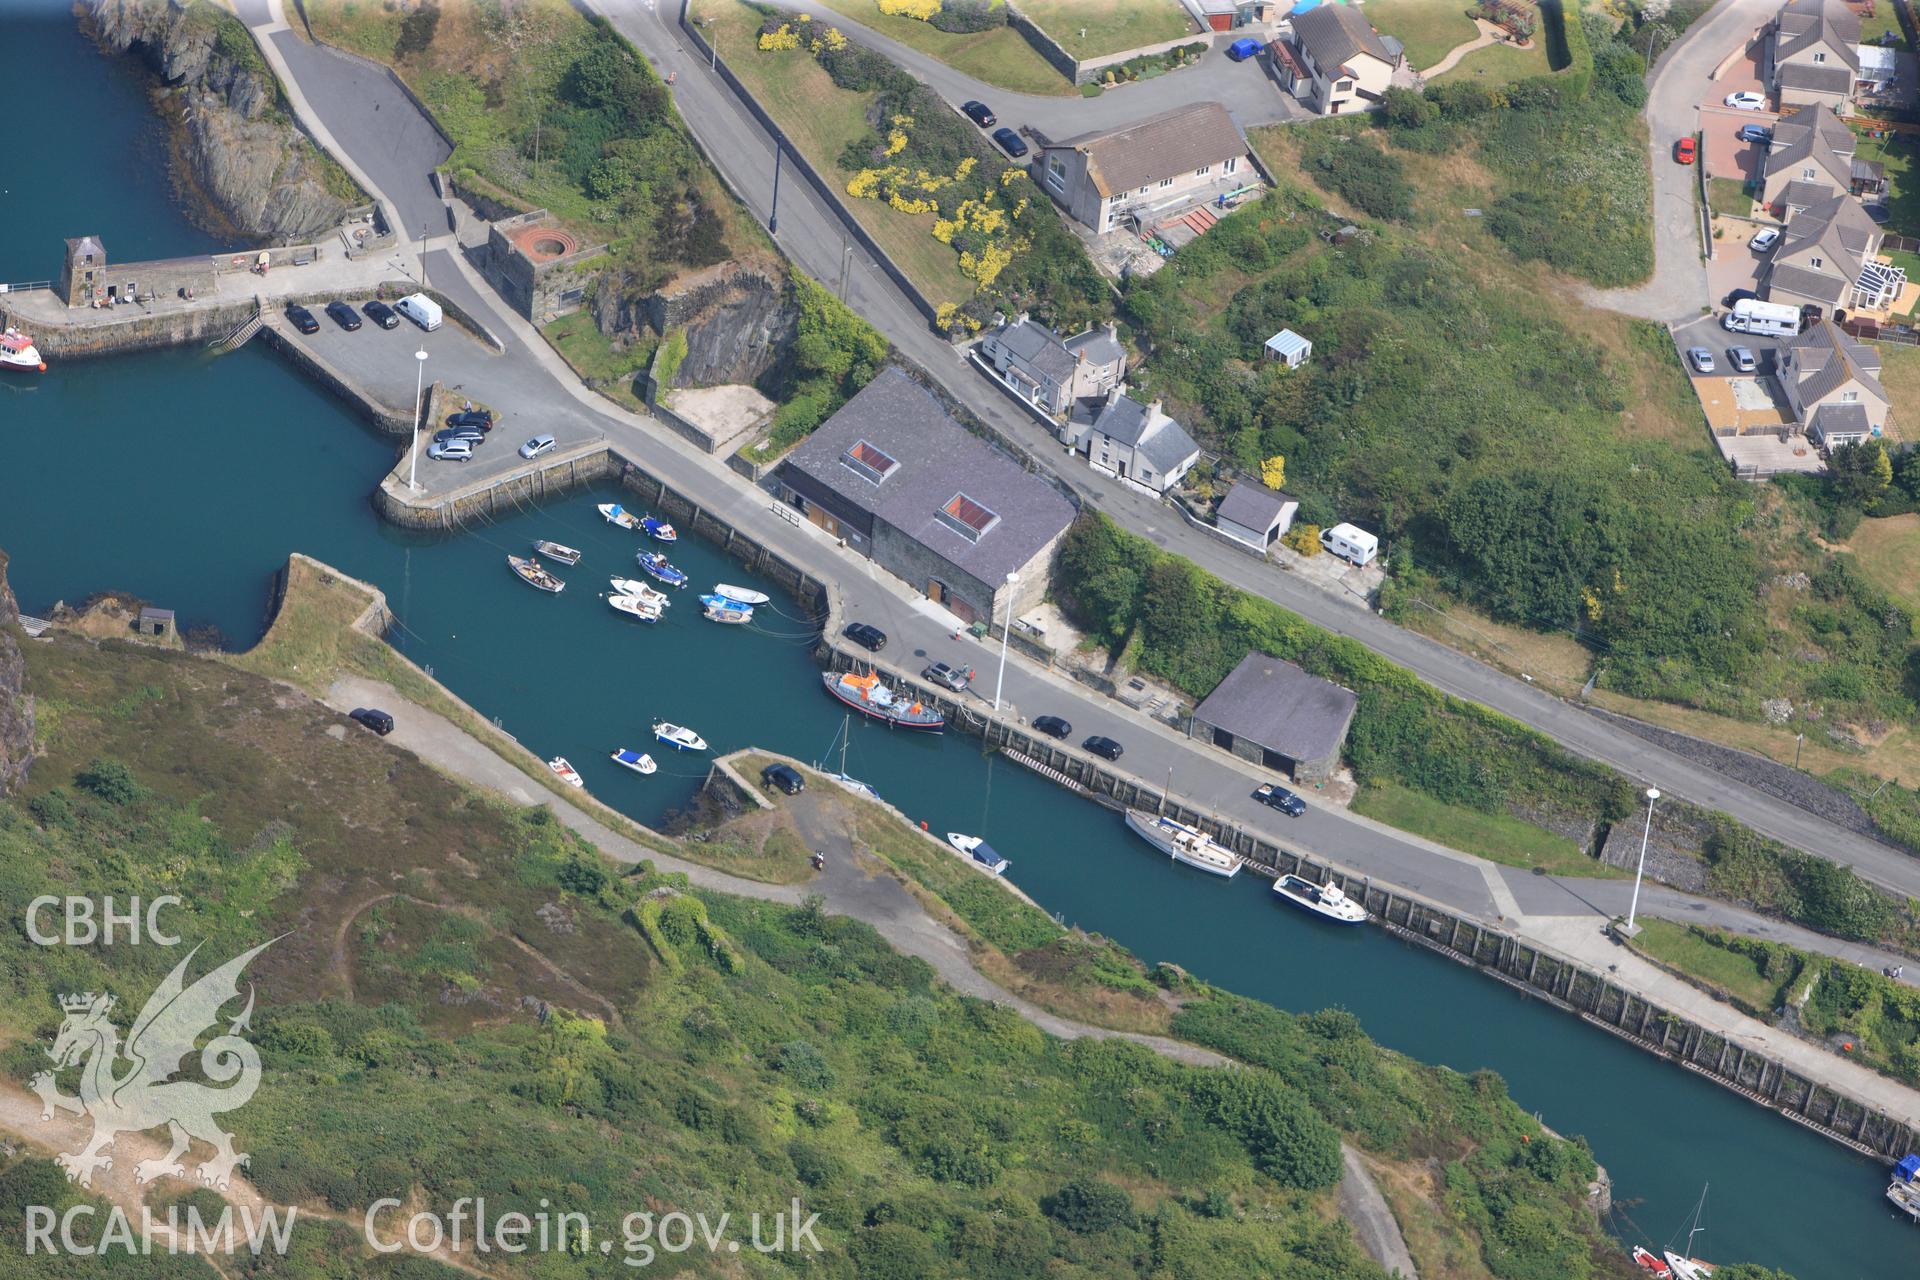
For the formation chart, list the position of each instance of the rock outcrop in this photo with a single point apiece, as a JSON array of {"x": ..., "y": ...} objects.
[
  {"x": 235, "y": 144},
  {"x": 737, "y": 317},
  {"x": 16, "y": 705}
]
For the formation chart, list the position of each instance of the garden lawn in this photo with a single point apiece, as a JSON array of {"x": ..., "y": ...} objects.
[
  {"x": 1887, "y": 551},
  {"x": 1111, "y": 26},
  {"x": 1499, "y": 64},
  {"x": 1900, "y": 154},
  {"x": 1728, "y": 197},
  {"x": 592, "y": 355},
  {"x": 1430, "y": 29},
  {"x": 1000, "y": 57},
  {"x": 1493, "y": 836},
  {"x": 821, "y": 118},
  {"x": 1713, "y": 967}
]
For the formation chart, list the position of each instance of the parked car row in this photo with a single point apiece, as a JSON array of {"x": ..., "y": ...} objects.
[
  {"x": 417, "y": 307},
  {"x": 1741, "y": 358}
]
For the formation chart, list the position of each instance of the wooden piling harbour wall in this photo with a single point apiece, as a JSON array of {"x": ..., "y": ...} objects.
[{"x": 1525, "y": 966}]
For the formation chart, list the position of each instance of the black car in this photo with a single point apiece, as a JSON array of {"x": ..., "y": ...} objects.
[
  {"x": 372, "y": 717},
  {"x": 979, "y": 114},
  {"x": 784, "y": 777},
  {"x": 478, "y": 419},
  {"x": 866, "y": 635},
  {"x": 1105, "y": 748},
  {"x": 1052, "y": 726},
  {"x": 302, "y": 318},
  {"x": 382, "y": 314},
  {"x": 1010, "y": 142},
  {"x": 1280, "y": 798},
  {"x": 1737, "y": 296},
  {"x": 344, "y": 315},
  {"x": 472, "y": 435}
]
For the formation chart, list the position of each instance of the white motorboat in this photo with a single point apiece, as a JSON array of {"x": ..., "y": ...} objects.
[
  {"x": 534, "y": 574},
  {"x": 741, "y": 595},
  {"x": 678, "y": 735},
  {"x": 638, "y": 761},
  {"x": 1327, "y": 901},
  {"x": 635, "y": 587},
  {"x": 984, "y": 855},
  {"x": 557, "y": 552},
  {"x": 566, "y": 772},
  {"x": 18, "y": 353},
  {"x": 616, "y": 514},
  {"x": 727, "y": 617},
  {"x": 634, "y": 607},
  {"x": 1185, "y": 844}
]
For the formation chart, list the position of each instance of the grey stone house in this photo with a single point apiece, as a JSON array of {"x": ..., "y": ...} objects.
[
  {"x": 900, "y": 481},
  {"x": 1275, "y": 714},
  {"x": 1048, "y": 373},
  {"x": 1134, "y": 442}
]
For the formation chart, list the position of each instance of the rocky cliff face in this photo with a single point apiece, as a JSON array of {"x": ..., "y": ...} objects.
[
  {"x": 16, "y": 706},
  {"x": 235, "y": 145},
  {"x": 737, "y": 317}
]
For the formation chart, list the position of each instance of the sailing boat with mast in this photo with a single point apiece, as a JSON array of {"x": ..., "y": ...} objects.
[
  {"x": 1684, "y": 1265},
  {"x": 852, "y": 784}
]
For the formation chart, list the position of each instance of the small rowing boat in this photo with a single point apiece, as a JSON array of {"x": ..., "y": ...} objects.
[
  {"x": 1324, "y": 900},
  {"x": 655, "y": 566},
  {"x": 535, "y": 574},
  {"x": 740, "y": 595},
  {"x": 635, "y": 587},
  {"x": 634, "y": 607},
  {"x": 556, "y": 552},
  {"x": 659, "y": 529},
  {"x": 566, "y": 772},
  {"x": 678, "y": 735},
  {"x": 984, "y": 855},
  {"x": 618, "y": 515},
  {"x": 1184, "y": 844},
  {"x": 638, "y": 761},
  {"x": 726, "y": 615}
]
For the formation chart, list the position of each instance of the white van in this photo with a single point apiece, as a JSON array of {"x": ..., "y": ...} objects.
[
  {"x": 1750, "y": 315},
  {"x": 420, "y": 309},
  {"x": 1350, "y": 542}
]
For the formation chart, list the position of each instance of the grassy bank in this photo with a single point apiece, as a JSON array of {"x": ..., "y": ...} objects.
[
  {"x": 1493, "y": 836},
  {"x": 998, "y": 56}
]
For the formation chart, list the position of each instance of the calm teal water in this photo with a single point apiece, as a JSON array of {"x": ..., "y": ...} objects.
[{"x": 104, "y": 469}]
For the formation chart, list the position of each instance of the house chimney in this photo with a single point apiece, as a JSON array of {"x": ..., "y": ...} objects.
[
  {"x": 1153, "y": 411},
  {"x": 1022, "y": 319},
  {"x": 1113, "y": 330}
]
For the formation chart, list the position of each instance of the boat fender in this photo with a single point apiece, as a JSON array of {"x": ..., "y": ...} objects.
[{"x": 923, "y": 827}]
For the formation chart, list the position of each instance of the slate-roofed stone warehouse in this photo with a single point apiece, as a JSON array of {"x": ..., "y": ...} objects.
[{"x": 1277, "y": 715}]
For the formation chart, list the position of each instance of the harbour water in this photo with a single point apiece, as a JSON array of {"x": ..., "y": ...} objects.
[{"x": 187, "y": 480}]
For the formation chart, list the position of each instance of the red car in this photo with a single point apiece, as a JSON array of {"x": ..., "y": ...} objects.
[{"x": 1683, "y": 151}]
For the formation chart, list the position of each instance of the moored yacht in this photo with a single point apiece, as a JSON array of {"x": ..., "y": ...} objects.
[
  {"x": 1327, "y": 900},
  {"x": 1185, "y": 844}
]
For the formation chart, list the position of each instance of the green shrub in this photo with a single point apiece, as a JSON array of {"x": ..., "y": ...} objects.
[
  {"x": 1089, "y": 1206},
  {"x": 111, "y": 781}
]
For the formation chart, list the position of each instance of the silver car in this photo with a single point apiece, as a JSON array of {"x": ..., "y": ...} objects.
[
  {"x": 1701, "y": 359},
  {"x": 1742, "y": 359},
  {"x": 536, "y": 446},
  {"x": 451, "y": 451}
]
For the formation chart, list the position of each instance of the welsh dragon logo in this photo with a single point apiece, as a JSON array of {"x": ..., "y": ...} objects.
[{"x": 143, "y": 1095}]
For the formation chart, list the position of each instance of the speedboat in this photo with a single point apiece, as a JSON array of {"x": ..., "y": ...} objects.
[
  {"x": 535, "y": 574},
  {"x": 18, "y": 353},
  {"x": 714, "y": 600},
  {"x": 635, "y": 587},
  {"x": 1652, "y": 1264},
  {"x": 678, "y": 735},
  {"x": 727, "y": 615},
  {"x": 566, "y": 772},
  {"x": 740, "y": 595},
  {"x": 867, "y": 695},
  {"x": 654, "y": 565},
  {"x": 1324, "y": 900},
  {"x": 635, "y": 607},
  {"x": 983, "y": 854},
  {"x": 1185, "y": 844},
  {"x": 637, "y": 761},
  {"x": 556, "y": 552},
  {"x": 619, "y": 515},
  {"x": 659, "y": 529}
]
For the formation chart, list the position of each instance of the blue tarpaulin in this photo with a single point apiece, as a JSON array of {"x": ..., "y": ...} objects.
[{"x": 1908, "y": 1170}]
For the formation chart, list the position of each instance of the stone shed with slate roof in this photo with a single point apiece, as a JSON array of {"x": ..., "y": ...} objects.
[
  {"x": 1151, "y": 162},
  {"x": 1276, "y": 715},
  {"x": 899, "y": 480}
]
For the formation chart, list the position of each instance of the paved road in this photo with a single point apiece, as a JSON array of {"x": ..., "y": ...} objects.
[
  {"x": 1679, "y": 287},
  {"x": 1205, "y": 777},
  {"x": 1246, "y": 89}
]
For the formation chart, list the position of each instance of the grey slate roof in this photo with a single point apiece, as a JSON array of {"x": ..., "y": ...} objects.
[
  {"x": 1791, "y": 129},
  {"x": 1801, "y": 75},
  {"x": 1801, "y": 194},
  {"x": 1831, "y": 420},
  {"x": 935, "y": 458},
  {"x": 1168, "y": 446},
  {"x": 1804, "y": 24},
  {"x": 1803, "y": 283},
  {"x": 1163, "y": 146},
  {"x": 1281, "y": 707},
  {"x": 1100, "y": 346},
  {"x": 1161, "y": 440},
  {"x": 1123, "y": 418},
  {"x": 1826, "y": 357},
  {"x": 1039, "y": 348},
  {"x": 88, "y": 244},
  {"x": 1332, "y": 34},
  {"x": 1252, "y": 506}
]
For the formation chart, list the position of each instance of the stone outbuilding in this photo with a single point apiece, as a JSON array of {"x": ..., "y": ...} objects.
[
  {"x": 1254, "y": 514},
  {"x": 896, "y": 477},
  {"x": 1271, "y": 712},
  {"x": 536, "y": 264}
]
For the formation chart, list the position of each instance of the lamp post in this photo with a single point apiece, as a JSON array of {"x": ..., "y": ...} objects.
[
  {"x": 1013, "y": 580},
  {"x": 419, "y": 387},
  {"x": 1633, "y": 908},
  {"x": 773, "y": 215}
]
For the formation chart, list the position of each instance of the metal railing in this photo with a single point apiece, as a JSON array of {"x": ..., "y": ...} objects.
[{"x": 26, "y": 286}]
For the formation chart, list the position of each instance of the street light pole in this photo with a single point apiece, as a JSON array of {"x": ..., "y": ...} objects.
[
  {"x": 1012, "y": 580},
  {"x": 1633, "y": 908},
  {"x": 773, "y": 217},
  {"x": 419, "y": 387}
]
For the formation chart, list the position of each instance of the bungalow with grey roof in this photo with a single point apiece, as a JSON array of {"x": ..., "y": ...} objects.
[
  {"x": 1255, "y": 515},
  {"x": 899, "y": 480}
]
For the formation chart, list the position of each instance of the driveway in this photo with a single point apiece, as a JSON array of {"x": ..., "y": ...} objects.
[{"x": 1735, "y": 265}]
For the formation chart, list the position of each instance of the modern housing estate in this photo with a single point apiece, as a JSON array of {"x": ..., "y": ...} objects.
[
  {"x": 1832, "y": 383},
  {"x": 1808, "y": 58}
]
